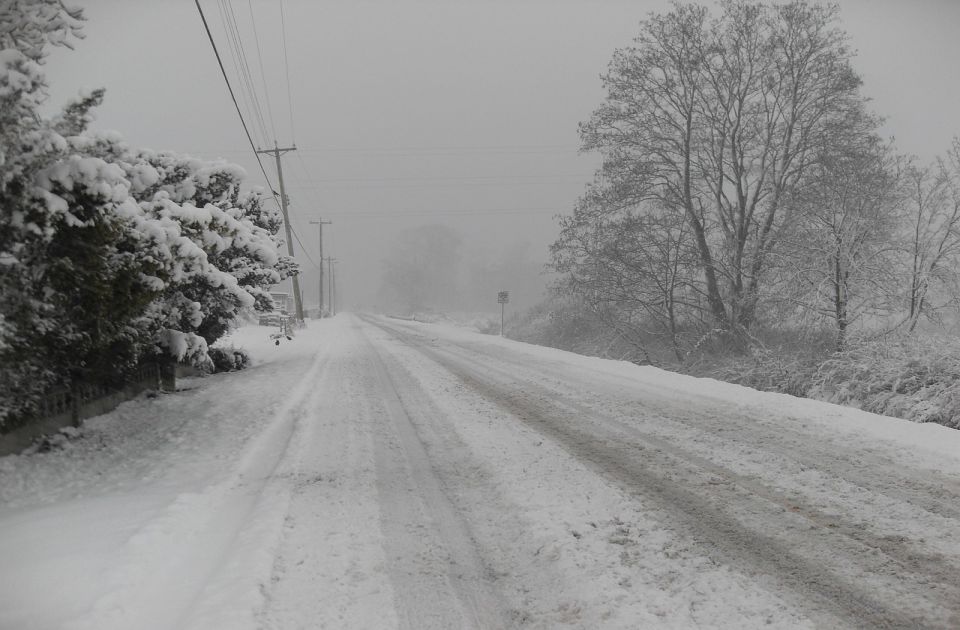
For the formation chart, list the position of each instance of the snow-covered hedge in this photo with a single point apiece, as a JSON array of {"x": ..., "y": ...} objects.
[
  {"x": 109, "y": 254},
  {"x": 913, "y": 378},
  {"x": 906, "y": 376},
  {"x": 228, "y": 358}
]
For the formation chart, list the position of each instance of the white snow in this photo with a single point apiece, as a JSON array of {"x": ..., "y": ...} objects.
[
  {"x": 398, "y": 476},
  {"x": 17, "y": 73},
  {"x": 145, "y": 499}
]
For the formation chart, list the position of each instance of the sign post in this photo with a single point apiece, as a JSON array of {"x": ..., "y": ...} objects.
[{"x": 503, "y": 297}]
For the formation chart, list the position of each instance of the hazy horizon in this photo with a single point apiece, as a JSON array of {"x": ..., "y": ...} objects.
[{"x": 456, "y": 114}]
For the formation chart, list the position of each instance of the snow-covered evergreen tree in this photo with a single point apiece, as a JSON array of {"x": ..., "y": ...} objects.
[
  {"x": 109, "y": 255},
  {"x": 28, "y": 224}
]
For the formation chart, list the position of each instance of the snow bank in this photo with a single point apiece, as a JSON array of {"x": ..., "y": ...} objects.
[
  {"x": 147, "y": 492},
  {"x": 855, "y": 422}
]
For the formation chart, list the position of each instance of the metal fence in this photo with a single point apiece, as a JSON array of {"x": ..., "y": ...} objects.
[{"x": 69, "y": 406}]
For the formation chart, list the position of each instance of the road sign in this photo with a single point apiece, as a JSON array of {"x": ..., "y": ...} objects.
[{"x": 503, "y": 297}]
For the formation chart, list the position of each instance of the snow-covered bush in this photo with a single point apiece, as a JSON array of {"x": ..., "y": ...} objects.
[
  {"x": 566, "y": 322},
  {"x": 235, "y": 231},
  {"x": 906, "y": 376},
  {"x": 775, "y": 369},
  {"x": 228, "y": 358},
  {"x": 29, "y": 217},
  {"x": 914, "y": 378},
  {"x": 109, "y": 255}
]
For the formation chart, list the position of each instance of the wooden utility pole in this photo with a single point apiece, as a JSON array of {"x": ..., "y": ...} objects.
[
  {"x": 276, "y": 152},
  {"x": 320, "y": 225},
  {"x": 332, "y": 289}
]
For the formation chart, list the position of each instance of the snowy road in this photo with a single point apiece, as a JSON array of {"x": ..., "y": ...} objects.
[{"x": 386, "y": 474}]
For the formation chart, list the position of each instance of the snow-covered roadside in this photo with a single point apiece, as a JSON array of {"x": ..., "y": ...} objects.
[
  {"x": 417, "y": 476},
  {"x": 932, "y": 438},
  {"x": 148, "y": 492},
  {"x": 423, "y": 505},
  {"x": 569, "y": 549},
  {"x": 834, "y": 518}
]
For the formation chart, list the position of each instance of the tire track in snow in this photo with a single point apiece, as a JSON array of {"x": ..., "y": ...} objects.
[
  {"x": 656, "y": 469},
  {"x": 874, "y": 476},
  {"x": 732, "y": 438},
  {"x": 328, "y": 570},
  {"x": 725, "y": 430},
  {"x": 220, "y": 538},
  {"x": 438, "y": 576},
  {"x": 928, "y": 490}
]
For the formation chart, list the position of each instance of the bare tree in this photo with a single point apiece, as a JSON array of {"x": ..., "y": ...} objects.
[
  {"x": 842, "y": 255},
  {"x": 634, "y": 269},
  {"x": 719, "y": 120},
  {"x": 933, "y": 223}
]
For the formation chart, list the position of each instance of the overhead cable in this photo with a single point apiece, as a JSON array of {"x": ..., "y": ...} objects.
[
  {"x": 233, "y": 96},
  {"x": 303, "y": 248},
  {"x": 246, "y": 97},
  {"x": 410, "y": 212},
  {"x": 243, "y": 66},
  {"x": 286, "y": 66},
  {"x": 263, "y": 75}
]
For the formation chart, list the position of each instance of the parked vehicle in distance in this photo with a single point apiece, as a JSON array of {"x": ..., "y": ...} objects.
[
  {"x": 270, "y": 319},
  {"x": 282, "y": 302}
]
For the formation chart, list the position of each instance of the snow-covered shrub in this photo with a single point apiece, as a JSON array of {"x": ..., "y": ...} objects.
[
  {"x": 488, "y": 325},
  {"x": 228, "y": 358},
  {"x": 109, "y": 255},
  {"x": 29, "y": 216},
  {"x": 233, "y": 233},
  {"x": 567, "y": 323},
  {"x": 769, "y": 369},
  {"x": 912, "y": 377}
]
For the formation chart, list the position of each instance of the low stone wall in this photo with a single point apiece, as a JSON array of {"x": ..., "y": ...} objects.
[{"x": 70, "y": 407}]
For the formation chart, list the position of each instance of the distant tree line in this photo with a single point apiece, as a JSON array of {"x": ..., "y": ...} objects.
[
  {"x": 427, "y": 268},
  {"x": 109, "y": 255},
  {"x": 745, "y": 185}
]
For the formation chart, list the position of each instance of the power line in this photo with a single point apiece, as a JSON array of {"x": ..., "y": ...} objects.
[
  {"x": 427, "y": 185},
  {"x": 407, "y": 212},
  {"x": 263, "y": 75},
  {"x": 233, "y": 96},
  {"x": 244, "y": 66},
  {"x": 231, "y": 46},
  {"x": 296, "y": 236},
  {"x": 246, "y": 129},
  {"x": 432, "y": 178},
  {"x": 429, "y": 182},
  {"x": 467, "y": 149},
  {"x": 313, "y": 191},
  {"x": 431, "y": 151},
  {"x": 302, "y": 246},
  {"x": 228, "y": 35},
  {"x": 286, "y": 66},
  {"x": 311, "y": 185}
]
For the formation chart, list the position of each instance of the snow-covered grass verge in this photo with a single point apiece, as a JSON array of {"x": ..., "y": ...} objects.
[
  {"x": 915, "y": 377},
  {"x": 139, "y": 495},
  {"x": 807, "y": 411},
  {"x": 487, "y": 323}
]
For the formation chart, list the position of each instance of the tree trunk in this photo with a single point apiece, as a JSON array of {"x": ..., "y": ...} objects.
[{"x": 840, "y": 299}]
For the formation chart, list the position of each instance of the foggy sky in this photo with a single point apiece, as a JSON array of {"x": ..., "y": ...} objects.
[{"x": 409, "y": 113}]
